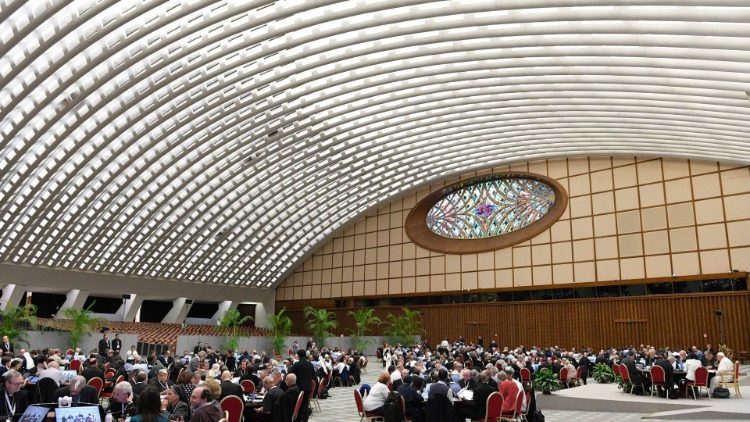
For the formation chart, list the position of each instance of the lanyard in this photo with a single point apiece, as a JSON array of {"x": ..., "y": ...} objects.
[{"x": 11, "y": 407}]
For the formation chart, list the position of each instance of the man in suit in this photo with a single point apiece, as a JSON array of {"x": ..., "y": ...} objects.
[
  {"x": 283, "y": 408},
  {"x": 476, "y": 408},
  {"x": 466, "y": 381},
  {"x": 228, "y": 388},
  {"x": 78, "y": 390},
  {"x": 204, "y": 407},
  {"x": 14, "y": 400},
  {"x": 141, "y": 379},
  {"x": 104, "y": 345},
  {"x": 162, "y": 381},
  {"x": 635, "y": 375},
  {"x": 242, "y": 370},
  {"x": 6, "y": 346},
  {"x": 273, "y": 393},
  {"x": 305, "y": 372},
  {"x": 661, "y": 360},
  {"x": 92, "y": 370},
  {"x": 117, "y": 343}
]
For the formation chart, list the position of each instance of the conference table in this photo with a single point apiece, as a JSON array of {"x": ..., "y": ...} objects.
[{"x": 677, "y": 376}]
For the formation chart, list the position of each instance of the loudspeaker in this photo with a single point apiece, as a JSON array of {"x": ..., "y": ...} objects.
[
  {"x": 188, "y": 301},
  {"x": 718, "y": 312},
  {"x": 126, "y": 296}
]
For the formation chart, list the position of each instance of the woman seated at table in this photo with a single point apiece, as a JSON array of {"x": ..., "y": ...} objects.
[
  {"x": 132, "y": 354},
  {"x": 691, "y": 364},
  {"x": 175, "y": 407},
  {"x": 149, "y": 407},
  {"x": 375, "y": 401}
]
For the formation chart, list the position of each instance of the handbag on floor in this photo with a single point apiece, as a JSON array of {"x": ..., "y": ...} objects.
[{"x": 721, "y": 393}]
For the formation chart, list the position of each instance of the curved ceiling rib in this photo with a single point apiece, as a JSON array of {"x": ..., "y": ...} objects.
[{"x": 221, "y": 142}]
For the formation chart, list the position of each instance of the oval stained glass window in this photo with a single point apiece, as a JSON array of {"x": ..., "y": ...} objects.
[
  {"x": 490, "y": 208},
  {"x": 486, "y": 213}
]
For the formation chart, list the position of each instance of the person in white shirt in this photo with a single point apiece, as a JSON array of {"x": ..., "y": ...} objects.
[
  {"x": 395, "y": 373},
  {"x": 53, "y": 371},
  {"x": 691, "y": 364},
  {"x": 725, "y": 371},
  {"x": 378, "y": 394}
]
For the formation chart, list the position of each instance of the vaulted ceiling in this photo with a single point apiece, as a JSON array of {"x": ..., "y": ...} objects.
[{"x": 221, "y": 142}]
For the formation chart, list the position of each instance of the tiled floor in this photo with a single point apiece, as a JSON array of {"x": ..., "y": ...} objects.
[{"x": 339, "y": 407}]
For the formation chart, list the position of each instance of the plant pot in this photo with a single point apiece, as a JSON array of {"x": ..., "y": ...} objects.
[{"x": 547, "y": 393}]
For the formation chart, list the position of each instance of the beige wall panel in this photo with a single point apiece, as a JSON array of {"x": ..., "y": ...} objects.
[
  {"x": 675, "y": 169},
  {"x": 599, "y": 163},
  {"x": 739, "y": 233},
  {"x": 737, "y": 207},
  {"x": 580, "y": 206},
  {"x": 557, "y": 168},
  {"x": 543, "y": 237},
  {"x": 504, "y": 258},
  {"x": 649, "y": 172},
  {"x": 712, "y": 236},
  {"x": 562, "y": 273},
  {"x": 469, "y": 280},
  {"x": 685, "y": 263},
  {"x": 706, "y": 186},
  {"x": 601, "y": 181},
  {"x": 736, "y": 181},
  {"x": 701, "y": 167},
  {"x": 629, "y": 222},
  {"x": 585, "y": 272},
  {"x": 622, "y": 161},
  {"x": 606, "y": 248},
  {"x": 740, "y": 258},
  {"x": 582, "y": 228},
  {"x": 680, "y": 215},
  {"x": 469, "y": 262},
  {"x": 656, "y": 242},
  {"x": 682, "y": 240},
  {"x": 654, "y": 218},
  {"x": 630, "y": 245},
  {"x": 624, "y": 176},
  {"x": 423, "y": 266},
  {"x": 371, "y": 272},
  {"x": 452, "y": 282},
  {"x": 651, "y": 195},
  {"x": 522, "y": 277},
  {"x": 583, "y": 250},
  {"x": 608, "y": 270},
  {"x": 382, "y": 287},
  {"x": 578, "y": 165},
  {"x": 658, "y": 266},
  {"x": 503, "y": 278},
  {"x": 678, "y": 190},
  {"x": 486, "y": 279},
  {"x": 605, "y": 225},
  {"x": 538, "y": 167},
  {"x": 710, "y": 211},
  {"x": 453, "y": 263},
  {"x": 715, "y": 261},
  {"x": 541, "y": 254},
  {"x": 579, "y": 185},
  {"x": 521, "y": 256},
  {"x": 602, "y": 203},
  {"x": 632, "y": 268},
  {"x": 408, "y": 285},
  {"x": 485, "y": 261},
  {"x": 626, "y": 199},
  {"x": 542, "y": 274}
]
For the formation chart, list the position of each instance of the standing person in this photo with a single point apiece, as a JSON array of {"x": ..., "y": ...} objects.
[
  {"x": 117, "y": 344},
  {"x": 305, "y": 373},
  {"x": 6, "y": 346},
  {"x": 104, "y": 345}
]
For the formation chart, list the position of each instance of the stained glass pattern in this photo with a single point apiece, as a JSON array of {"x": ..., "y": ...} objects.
[{"x": 490, "y": 208}]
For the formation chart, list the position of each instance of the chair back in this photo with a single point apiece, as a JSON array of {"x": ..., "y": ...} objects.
[
  {"x": 298, "y": 406},
  {"x": 321, "y": 387},
  {"x": 657, "y": 375},
  {"x": 701, "y": 377},
  {"x": 358, "y": 402},
  {"x": 69, "y": 352},
  {"x": 46, "y": 388},
  {"x": 247, "y": 386},
  {"x": 624, "y": 373},
  {"x": 110, "y": 373},
  {"x": 736, "y": 371},
  {"x": 75, "y": 365},
  {"x": 525, "y": 412},
  {"x": 494, "y": 407},
  {"x": 525, "y": 375},
  {"x": 120, "y": 379},
  {"x": 97, "y": 383},
  {"x": 579, "y": 372},
  {"x": 616, "y": 370},
  {"x": 313, "y": 388},
  {"x": 234, "y": 406},
  {"x": 403, "y": 405},
  {"x": 390, "y": 386}
]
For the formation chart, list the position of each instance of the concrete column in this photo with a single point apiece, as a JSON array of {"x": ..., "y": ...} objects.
[
  {"x": 223, "y": 308},
  {"x": 179, "y": 311},
  {"x": 265, "y": 308},
  {"x": 12, "y": 294},
  {"x": 132, "y": 306},
  {"x": 73, "y": 300}
]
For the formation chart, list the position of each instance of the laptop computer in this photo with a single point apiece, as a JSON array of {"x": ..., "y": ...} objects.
[
  {"x": 78, "y": 414},
  {"x": 34, "y": 414},
  {"x": 67, "y": 375}
]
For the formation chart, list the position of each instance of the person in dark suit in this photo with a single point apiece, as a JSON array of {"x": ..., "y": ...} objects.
[
  {"x": 92, "y": 370},
  {"x": 662, "y": 361},
  {"x": 116, "y": 343},
  {"x": 230, "y": 361},
  {"x": 104, "y": 345},
  {"x": 304, "y": 372},
  {"x": 413, "y": 400},
  {"x": 14, "y": 400},
  {"x": 273, "y": 393},
  {"x": 6, "y": 346},
  {"x": 140, "y": 383},
  {"x": 162, "y": 381},
  {"x": 476, "y": 407},
  {"x": 466, "y": 381},
  {"x": 635, "y": 375},
  {"x": 78, "y": 390},
  {"x": 283, "y": 408},
  {"x": 228, "y": 388}
]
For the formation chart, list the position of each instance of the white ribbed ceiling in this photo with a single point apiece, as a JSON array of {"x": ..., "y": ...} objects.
[{"x": 221, "y": 142}]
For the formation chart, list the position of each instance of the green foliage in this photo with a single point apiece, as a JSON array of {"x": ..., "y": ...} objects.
[
  {"x": 83, "y": 323},
  {"x": 320, "y": 323},
  {"x": 603, "y": 374},
  {"x": 546, "y": 381},
  {"x": 15, "y": 322},
  {"x": 281, "y": 327},
  {"x": 229, "y": 323},
  {"x": 403, "y": 329},
  {"x": 363, "y": 320}
]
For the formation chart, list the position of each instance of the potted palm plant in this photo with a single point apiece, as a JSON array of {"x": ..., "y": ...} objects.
[
  {"x": 16, "y": 320},
  {"x": 320, "y": 322},
  {"x": 83, "y": 322},
  {"x": 281, "y": 327},
  {"x": 546, "y": 381},
  {"x": 229, "y": 323},
  {"x": 403, "y": 329},
  {"x": 363, "y": 320}
]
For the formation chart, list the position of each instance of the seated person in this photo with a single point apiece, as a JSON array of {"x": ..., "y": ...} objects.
[
  {"x": 375, "y": 401},
  {"x": 228, "y": 388},
  {"x": 410, "y": 390},
  {"x": 15, "y": 399},
  {"x": 724, "y": 372},
  {"x": 121, "y": 404},
  {"x": 662, "y": 360},
  {"x": 441, "y": 386},
  {"x": 635, "y": 375},
  {"x": 708, "y": 360},
  {"x": 477, "y": 407},
  {"x": 92, "y": 369},
  {"x": 264, "y": 413},
  {"x": 79, "y": 391},
  {"x": 149, "y": 407},
  {"x": 205, "y": 408},
  {"x": 466, "y": 381},
  {"x": 53, "y": 371},
  {"x": 176, "y": 408},
  {"x": 691, "y": 364},
  {"x": 162, "y": 381}
]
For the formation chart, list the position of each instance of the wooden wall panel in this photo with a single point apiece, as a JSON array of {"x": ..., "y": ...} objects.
[{"x": 676, "y": 321}]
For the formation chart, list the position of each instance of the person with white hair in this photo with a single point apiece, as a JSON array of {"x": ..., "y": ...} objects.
[
  {"x": 121, "y": 405},
  {"x": 725, "y": 371},
  {"x": 78, "y": 391}
]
